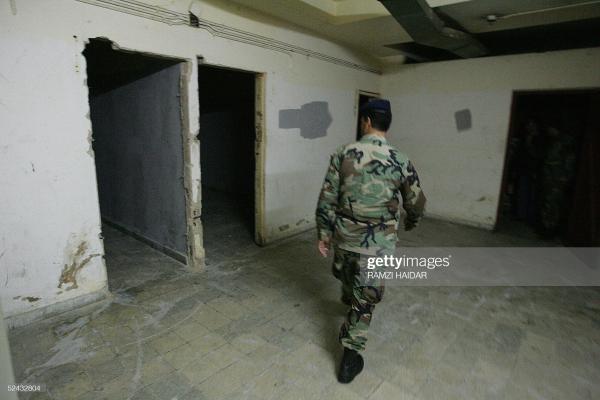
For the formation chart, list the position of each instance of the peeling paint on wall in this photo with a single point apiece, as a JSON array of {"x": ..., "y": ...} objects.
[
  {"x": 90, "y": 139},
  {"x": 195, "y": 247},
  {"x": 78, "y": 260}
]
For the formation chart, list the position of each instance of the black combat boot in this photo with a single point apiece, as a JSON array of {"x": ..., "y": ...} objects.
[{"x": 352, "y": 364}]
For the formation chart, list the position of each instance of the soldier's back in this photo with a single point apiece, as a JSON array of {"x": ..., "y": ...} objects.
[{"x": 371, "y": 173}]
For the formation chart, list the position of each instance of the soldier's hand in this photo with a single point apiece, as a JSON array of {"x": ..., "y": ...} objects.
[{"x": 323, "y": 246}]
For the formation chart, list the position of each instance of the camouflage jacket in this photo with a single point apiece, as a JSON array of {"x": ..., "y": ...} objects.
[{"x": 358, "y": 205}]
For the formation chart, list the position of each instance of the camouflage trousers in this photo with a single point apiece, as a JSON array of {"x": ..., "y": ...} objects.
[{"x": 363, "y": 296}]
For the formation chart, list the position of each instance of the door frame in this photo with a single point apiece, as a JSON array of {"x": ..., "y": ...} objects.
[
  {"x": 193, "y": 257},
  {"x": 360, "y": 92},
  {"x": 512, "y": 127},
  {"x": 195, "y": 246},
  {"x": 357, "y": 95},
  {"x": 259, "y": 158},
  {"x": 260, "y": 136}
]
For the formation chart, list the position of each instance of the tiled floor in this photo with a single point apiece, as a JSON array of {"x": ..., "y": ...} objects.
[{"x": 261, "y": 323}]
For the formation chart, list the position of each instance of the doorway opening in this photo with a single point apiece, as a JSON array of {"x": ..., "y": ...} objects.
[
  {"x": 551, "y": 182},
  {"x": 230, "y": 158},
  {"x": 363, "y": 98},
  {"x": 135, "y": 112}
]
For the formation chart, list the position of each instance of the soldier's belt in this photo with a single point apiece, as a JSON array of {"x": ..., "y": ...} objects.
[{"x": 374, "y": 222}]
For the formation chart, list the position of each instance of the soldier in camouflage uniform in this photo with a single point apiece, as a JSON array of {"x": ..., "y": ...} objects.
[{"x": 358, "y": 214}]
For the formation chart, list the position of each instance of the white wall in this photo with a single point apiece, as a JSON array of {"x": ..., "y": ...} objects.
[
  {"x": 461, "y": 172},
  {"x": 49, "y": 202}
]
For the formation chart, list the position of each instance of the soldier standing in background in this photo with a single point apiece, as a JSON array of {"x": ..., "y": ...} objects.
[
  {"x": 358, "y": 214},
  {"x": 558, "y": 171},
  {"x": 527, "y": 174}
]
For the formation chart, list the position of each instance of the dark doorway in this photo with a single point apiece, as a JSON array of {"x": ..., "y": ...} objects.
[
  {"x": 135, "y": 112},
  {"x": 552, "y": 174},
  {"x": 227, "y": 158},
  {"x": 363, "y": 98}
]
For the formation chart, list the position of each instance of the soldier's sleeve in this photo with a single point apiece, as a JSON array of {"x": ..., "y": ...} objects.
[
  {"x": 328, "y": 199},
  {"x": 413, "y": 198}
]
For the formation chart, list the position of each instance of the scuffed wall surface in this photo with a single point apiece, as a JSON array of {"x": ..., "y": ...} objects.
[
  {"x": 139, "y": 157},
  {"x": 49, "y": 201},
  {"x": 462, "y": 170},
  {"x": 296, "y": 164}
]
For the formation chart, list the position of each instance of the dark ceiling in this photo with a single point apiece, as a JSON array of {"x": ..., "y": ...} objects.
[{"x": 561, "y": 36}]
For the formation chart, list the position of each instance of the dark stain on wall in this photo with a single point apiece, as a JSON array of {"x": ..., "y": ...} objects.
[
  {"x": 78, "y": 260},
  {"x": 302, "y": 221}
]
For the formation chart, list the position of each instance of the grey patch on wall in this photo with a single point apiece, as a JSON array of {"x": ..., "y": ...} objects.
[
  {"x": 313, "y": 119},
  {"x": 463, "y": 119}
]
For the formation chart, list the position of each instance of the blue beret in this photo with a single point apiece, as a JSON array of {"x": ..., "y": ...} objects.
[{"x": 377, "y": 105}]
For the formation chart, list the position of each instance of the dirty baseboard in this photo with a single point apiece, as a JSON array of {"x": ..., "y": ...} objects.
[
  {"x": 290, "y": 231},
  {"x": 462, "y": 221},
  {"x": 176, "y": 255},
  {"x": 84, "y": 303}
]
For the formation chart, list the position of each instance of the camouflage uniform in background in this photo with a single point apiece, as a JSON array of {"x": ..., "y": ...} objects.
[
  {"x": 557, "y": 172},
  {"x": 358, "y": 211}
]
